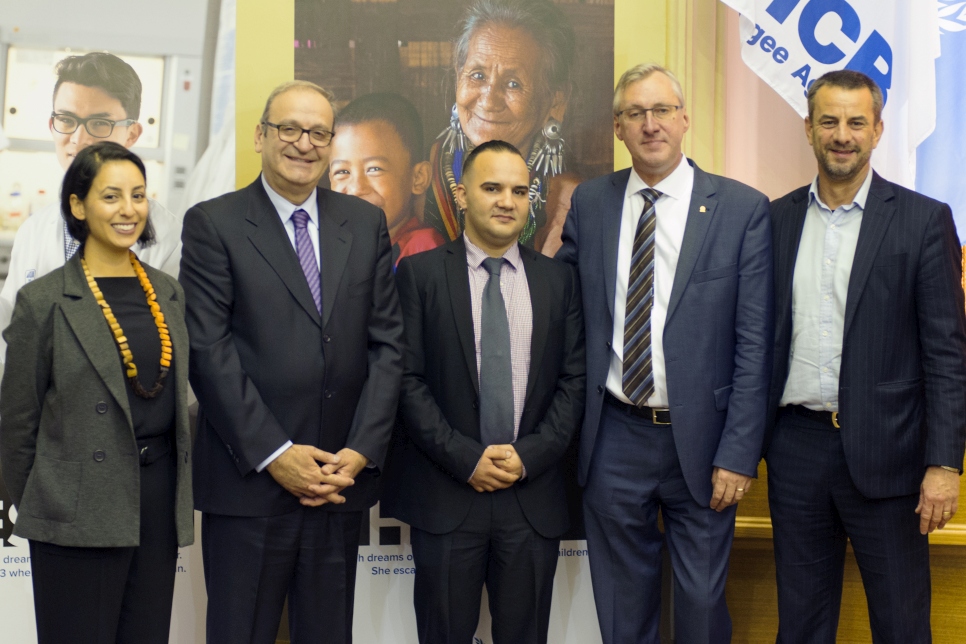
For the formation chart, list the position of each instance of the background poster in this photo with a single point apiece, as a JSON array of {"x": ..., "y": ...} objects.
[{"x": 406, "y": 47}]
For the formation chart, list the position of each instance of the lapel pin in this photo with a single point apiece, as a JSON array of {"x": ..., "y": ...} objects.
[{"x": 702, "y": 209}]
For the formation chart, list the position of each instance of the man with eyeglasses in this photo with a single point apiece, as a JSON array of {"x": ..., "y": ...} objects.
[
  {"x": 296, "y": 360},
  {"x": 676, "y": 275},
  {"x": 97, "y": 97}
]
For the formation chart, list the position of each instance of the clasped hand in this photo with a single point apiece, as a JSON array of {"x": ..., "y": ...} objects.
[
  {"x": 315, "y": 476},
  {"x": 499, "y": 468}
]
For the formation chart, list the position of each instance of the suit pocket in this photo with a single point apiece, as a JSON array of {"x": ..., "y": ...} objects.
[
  {"x": 899, "y": 259},
  {"x": 715, "y": 273},
  {"x": 721, "y": 397},
  {"x": 362, "y": 287},
  {"x": 53, "y": 489}
]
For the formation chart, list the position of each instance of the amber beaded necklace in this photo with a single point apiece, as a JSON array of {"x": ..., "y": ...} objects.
[{"x": 127, "y": 357}]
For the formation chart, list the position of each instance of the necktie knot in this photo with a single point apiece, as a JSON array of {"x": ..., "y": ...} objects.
[
  {"x": 493, "y": 265},
  {"x": 300, "y": 218},
  {"x": 651, "y": 195}
]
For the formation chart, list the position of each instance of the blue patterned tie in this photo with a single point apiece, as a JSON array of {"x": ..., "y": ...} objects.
[
  {"x": 638, "y": 379},
  {"x": 306, "y": 253}
]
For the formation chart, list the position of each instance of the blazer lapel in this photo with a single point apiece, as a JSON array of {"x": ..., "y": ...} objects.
[
  {"x": 335, "y": 241},
  {"x": 458, "y": 282},
  {"x": 786, "y": 255},
  {"x": 700, "y": 214},
  {"x": 612, "y": 209},
  {"x": 94, "y": 336},
  {"x": 878, "y": 214},
  {"x": 171, "y": 308},
  {"x": 268, "y": 235},
  {"x": 540, "y": 306}
]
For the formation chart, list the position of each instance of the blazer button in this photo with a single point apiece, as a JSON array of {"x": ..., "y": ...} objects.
[
  {"x": 328, "y": 394},
  {"x": 609, "y": 345},
  {"x": 600, "y": 389},
  {"x": 101, "y": 407},
  {"x": 99, "y": 455},
  {"x": 326, "y": 338},
  {"x": 476, "y": 404}
]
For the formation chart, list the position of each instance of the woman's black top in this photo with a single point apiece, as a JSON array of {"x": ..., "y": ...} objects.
[{"x": 151, "y": 416}]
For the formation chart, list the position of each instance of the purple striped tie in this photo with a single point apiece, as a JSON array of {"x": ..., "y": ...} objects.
[{"x": 303, "y": 246}]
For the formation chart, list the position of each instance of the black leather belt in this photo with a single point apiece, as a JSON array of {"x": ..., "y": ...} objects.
[
  {"x": 824, "y": 417},
  {"x": 656, "y": 416},
  {"x": 153, "y": 448}
]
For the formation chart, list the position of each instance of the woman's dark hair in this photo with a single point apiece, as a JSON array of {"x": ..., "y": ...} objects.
[{"x": 80, "y": 177}]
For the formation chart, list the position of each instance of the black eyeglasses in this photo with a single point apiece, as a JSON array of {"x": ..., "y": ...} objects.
[
  {"x": 292, "y": 133},
  {"x": 97, "y": 126}
]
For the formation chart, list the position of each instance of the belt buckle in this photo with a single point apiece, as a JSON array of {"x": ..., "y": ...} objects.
[
  {"x": 835, "y": 420},
  {"x": 654, "y": 416}
]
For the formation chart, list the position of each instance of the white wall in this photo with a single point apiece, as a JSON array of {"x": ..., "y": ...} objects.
[{"x": 169, "y": 27}]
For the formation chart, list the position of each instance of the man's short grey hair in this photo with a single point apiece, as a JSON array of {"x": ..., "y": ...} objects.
[
  {"x": 290, "y": 85},
  {"x": 544, "y": 21},
  {"x": 640, "y": 72}
]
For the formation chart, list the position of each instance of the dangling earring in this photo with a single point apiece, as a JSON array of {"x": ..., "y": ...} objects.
[
  {"x": 549, "y": 158},
  {"x": 453, "y": 138}
]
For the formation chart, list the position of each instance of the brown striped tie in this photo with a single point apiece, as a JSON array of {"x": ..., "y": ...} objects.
[{"x": 638, "y": 378}]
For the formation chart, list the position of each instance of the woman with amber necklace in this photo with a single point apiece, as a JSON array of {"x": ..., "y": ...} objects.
[{"x": 94, "y": 438}]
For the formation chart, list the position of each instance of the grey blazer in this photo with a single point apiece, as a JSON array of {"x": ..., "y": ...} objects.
[{"x": 68, "y": 455}]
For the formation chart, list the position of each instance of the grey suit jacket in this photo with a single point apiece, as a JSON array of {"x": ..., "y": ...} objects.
[{"x": 68, "y": 454}]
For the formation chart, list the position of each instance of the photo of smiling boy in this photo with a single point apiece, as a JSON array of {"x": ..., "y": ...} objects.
[{"x": 377, "y": 155}]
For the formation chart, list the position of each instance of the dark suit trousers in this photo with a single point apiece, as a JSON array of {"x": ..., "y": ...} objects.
[
  {"x": 495, "y": 545},
  {"x": 252, "y": 563},
  {"x": 815, "y": 509},
  {"x": 635, "y": 472},
  {"x": 113, "y": 595}
]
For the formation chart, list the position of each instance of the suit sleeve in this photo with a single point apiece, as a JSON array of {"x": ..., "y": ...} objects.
[
  {"x": 739, "y": 449},
  {"x": 545, "y": 446},
  {"x": 425, "y": 423},
  {"x": 942, "y": 338},
  {"x": 231, "y": 402},
  {"x": 568, "y": 251},
  {"x": 22, "y": 393},
  {"x": 375, "y": 413}
]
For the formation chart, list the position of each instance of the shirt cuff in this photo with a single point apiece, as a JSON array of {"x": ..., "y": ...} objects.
[{"x": 274, "y": 455}]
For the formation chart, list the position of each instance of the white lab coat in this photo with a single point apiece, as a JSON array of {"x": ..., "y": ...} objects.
[{"x": 38, "y": 249}]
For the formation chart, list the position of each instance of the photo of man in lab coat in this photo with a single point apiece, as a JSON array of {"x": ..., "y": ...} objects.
[{"x": 97, "y": 97}]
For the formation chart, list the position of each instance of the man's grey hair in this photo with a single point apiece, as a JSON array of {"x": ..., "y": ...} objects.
[
  {"x": 290, "y": 85},
  {"x": 640, "y": 72}
]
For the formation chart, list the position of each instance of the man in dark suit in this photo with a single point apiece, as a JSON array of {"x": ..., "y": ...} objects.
[
  {"x": 492, "y": 394},
  {"x": 676, "y": 272},
  {"x": 870, "y": 373},
  {"x": 296, "y": 359}
]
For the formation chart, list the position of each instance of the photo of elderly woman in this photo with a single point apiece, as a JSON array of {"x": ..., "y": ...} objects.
[{"x": 534, "y": 73}]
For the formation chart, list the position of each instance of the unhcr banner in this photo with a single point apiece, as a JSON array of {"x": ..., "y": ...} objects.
[{"x": 790, "y": 43}]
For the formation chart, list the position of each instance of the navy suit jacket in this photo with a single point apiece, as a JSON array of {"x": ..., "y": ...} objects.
[
  {"x": 717, "y": 338},
  {"x": 437, "y": 450},
  {"x": 902, "y": 382}
]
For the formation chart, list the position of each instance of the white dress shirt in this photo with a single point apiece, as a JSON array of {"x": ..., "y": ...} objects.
[
  {"x": 671, "y": 211},
  {"x": 286, "y": 209},
  {"x": 819, "y": 288}
]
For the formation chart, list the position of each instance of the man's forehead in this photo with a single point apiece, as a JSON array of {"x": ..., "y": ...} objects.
[
  {"x": 85, "y": 100},
  {"x": 301, "y": 106}
]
